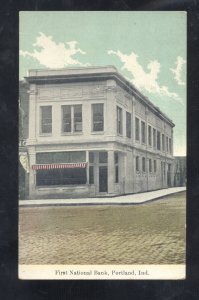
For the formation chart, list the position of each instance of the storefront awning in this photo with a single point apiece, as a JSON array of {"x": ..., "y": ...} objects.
[{"x": 58, "y": 166}]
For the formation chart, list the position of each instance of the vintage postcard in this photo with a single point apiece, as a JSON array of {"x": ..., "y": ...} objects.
[{"x": 102, "y": 145}]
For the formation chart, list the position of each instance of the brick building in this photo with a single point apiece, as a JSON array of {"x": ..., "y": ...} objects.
[{"x": 92, "y": 133}]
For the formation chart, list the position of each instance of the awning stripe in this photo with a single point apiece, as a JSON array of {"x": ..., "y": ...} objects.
[{"x": 58, "y": 166}]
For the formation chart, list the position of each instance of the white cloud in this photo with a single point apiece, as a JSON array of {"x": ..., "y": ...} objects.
[
  {"x": 148, "y": 80},
  {"x": 52, "y": 54},
  {"x": 178, "y": 70}
]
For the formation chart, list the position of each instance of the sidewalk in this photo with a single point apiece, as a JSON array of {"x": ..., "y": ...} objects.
[{"x": 120, "y": 200}]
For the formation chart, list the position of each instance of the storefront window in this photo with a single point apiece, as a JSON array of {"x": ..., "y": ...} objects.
[
  {"x": 74, "y": 176},
  {"x": 60, "y": 157},
  {"x": 91, "y": 175},
  {"x": 103, "y": 157}
]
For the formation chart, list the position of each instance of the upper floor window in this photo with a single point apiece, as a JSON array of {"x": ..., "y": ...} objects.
[
  {"x": 158, "y": 140},
  {"x": 137, "y": 129},
  {"x": 154, "y": 138},
  {"x": 150, "y": 165},
  {"x": 155, "y": 166},
  {"x": 167, "y": 144},
  {"x": 119, "y": 120},
  {"x": 71, "y": 118},
  {"x": 128, "y": 124},
  {"x": 143, "y": 130},
  {"x": 163, "y": 142},
  {"x": 149, "y": 135},
  {"x": 98, "y": 116},
  {"x": 46, "y": 119},
  {"x": 170, "y": 146},
  {"x": 137, "y": 164},
  {"x": 143, "y": 164}
]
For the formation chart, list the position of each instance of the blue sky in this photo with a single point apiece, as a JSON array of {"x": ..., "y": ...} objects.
[{"x": 148, "y": 48}]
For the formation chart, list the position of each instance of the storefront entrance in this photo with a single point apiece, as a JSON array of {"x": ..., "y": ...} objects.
[{"x": 103, "y": 180}]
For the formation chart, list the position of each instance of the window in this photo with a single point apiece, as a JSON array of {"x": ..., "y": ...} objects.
[
  {"x": 77, "y": 118},
  {"x": 150, "y": 165},
  {"x": 163, "y": 143},
  {"x": 119, "y": 120},
  {"x": 103, "y": 157},
  {"x": 143, "y": 164},
  {"x": 91, "y": 157},
  {"x": 61, "y": 177},
  {"x": 91, "y": 168},
  {"x": 149, "y": 136},
  {"x": 116, "y": 158},
  {"x": 137, "y": 164},
  {"x": 98, "y": 117},
  {"x": 137, "y": 129},
  {"x": 155, "y": 166},
  {"x": 46, "y": 119},
  {"x": 167, "y": 144},
  {"x": 143, "y": 130},
  {"x": 170, "y": 146},
  {"x": 72, "y": 118},
  {"x": 91, "y": 174},
  {"x": 154, "y": 138},
  {"x": 128, "y": 124},
  {"x": 60, "y": 157},
  {"x": 158, "y": 140}
]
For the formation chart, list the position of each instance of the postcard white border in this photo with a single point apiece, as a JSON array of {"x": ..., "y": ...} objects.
[{"x": 101, "y": 272}]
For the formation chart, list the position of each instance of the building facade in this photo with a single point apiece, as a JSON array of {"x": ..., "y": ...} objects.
[{"x": 92, "y": 133}]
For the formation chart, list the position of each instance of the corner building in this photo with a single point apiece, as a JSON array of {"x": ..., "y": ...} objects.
[{"x": 92, "y": 133}]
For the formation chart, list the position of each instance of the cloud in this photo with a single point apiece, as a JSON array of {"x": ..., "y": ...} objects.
[
  {"x": 54, "y": 55},
  {"x": 178, "y": 70},
  {"x": 145, "y": 80}
]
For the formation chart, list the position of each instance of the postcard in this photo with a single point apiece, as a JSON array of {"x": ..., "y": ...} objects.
[{"x": 102, "y": 145}]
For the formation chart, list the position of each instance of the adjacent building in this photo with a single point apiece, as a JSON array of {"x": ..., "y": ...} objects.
[{"x": 92, "y": 133}]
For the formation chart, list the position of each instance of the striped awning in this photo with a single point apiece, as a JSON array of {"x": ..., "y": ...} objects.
[{"x": 58, "y": 166}]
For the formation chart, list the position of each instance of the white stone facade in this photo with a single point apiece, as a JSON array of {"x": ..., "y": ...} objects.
[{"x": 86, "y": 87}]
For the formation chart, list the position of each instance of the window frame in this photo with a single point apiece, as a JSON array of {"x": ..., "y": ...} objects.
[
  {"x": 119, "y": 120},
  {"x": 137, "y": 129},
  {"x": 144, "y": 164},
  {"x": 72, "y": 119},
  {"x": 143, "y": 132},
  {"x": 150, "y": 135},
  {"x": 128, "y": 124},
  {"x": 41, "y": 120},
  {"x": 94, "y": 122}
]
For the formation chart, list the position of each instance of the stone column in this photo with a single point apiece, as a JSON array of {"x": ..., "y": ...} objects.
[
  {"x": 32, "y": 114},
  {"x": 111, "y": 172}
]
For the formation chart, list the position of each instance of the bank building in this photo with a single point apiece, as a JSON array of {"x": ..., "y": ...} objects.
[{"x": 91, "y": 133}]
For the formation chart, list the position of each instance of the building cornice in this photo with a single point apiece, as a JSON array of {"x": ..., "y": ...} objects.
[{"x": 93, "y": 74}]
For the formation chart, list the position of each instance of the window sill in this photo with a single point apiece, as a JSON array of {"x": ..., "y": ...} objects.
[
  {"x": 45, "y": 134},
  {"x": 97, "y": 132},
  {"x": 71, "y": 133}
]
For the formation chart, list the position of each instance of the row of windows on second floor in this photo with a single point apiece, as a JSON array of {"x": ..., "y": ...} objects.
[{"x": 72, "y": 123}]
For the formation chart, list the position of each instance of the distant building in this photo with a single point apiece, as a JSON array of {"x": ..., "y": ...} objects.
[
  {"x": 180, "y": 171},
  {"x": 92, "y": 133},
  {"x": 23, "y": 135}
]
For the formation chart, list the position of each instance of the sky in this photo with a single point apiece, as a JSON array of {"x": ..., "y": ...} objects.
[{"x": 147, "y": 48}]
